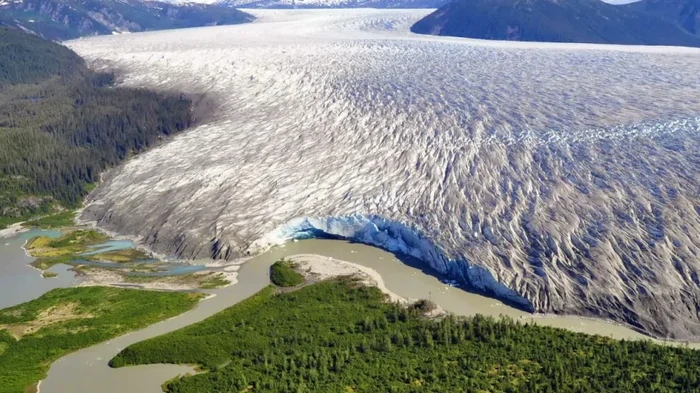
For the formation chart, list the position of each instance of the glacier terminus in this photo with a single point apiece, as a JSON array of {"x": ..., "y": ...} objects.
[{"x": 562, "y": 177}]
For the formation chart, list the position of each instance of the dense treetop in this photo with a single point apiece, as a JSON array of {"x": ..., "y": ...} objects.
[
  {"x": 61, "y": 125},
  {"x": 25, "y": 58},
  {"x": 283, "y": 274},
  {"x": 340, "y": 337}
]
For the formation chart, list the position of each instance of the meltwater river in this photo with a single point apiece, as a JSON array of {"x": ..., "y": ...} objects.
[
  {"x": 19, "y": 282},
  {"x": 87, "y": 370}
]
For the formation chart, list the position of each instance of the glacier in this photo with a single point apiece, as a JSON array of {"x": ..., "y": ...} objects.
[
  {"x": 395, "y": 237},
  {"x": 564, "y": 176}
]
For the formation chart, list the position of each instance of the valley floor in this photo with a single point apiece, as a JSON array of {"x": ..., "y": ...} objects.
[
  {"x": 342, "y": 335},
  {"x": 87, "y": 370}
]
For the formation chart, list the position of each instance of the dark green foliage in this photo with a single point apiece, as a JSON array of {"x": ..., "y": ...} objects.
[
  {"x": 340, "y": 337},
  {"x": 100, "y": 314},
  {"x": 68, "y": 19},
  {"x": 61, "y": 125},
  {"x": 282, "y": 274},
  {"x": 590, "y": 21},
  {"x": 58, "y": 220},
  {"x": 25, "y": 58}
]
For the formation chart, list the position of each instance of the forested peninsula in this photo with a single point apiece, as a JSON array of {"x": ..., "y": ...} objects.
[
  {"x": 62, "y": 124},
  {"x": 341, "y": 336}
]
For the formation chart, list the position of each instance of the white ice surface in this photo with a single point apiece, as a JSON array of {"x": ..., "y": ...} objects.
[{"x": 566, "y": 173}]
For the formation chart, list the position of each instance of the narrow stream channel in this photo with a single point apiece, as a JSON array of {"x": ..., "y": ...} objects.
[
  {"x": 21, "y": 283},
  {"x": 87, "y": 370}
]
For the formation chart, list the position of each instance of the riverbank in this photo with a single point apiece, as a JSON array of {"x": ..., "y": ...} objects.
[
  {"x": 335, "y": 335},
  {"x": 319, "y": 268},
  {"x": 99, "y": 260},
  {"x": 34, "y": 334},
  {"x": 12, "y": 230},
  {"x": 189, "y": 282}
]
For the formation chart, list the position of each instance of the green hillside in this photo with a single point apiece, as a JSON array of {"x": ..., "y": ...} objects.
[
  {"x": 25, "y": 58},
  {"x": 61, "y": 125}
]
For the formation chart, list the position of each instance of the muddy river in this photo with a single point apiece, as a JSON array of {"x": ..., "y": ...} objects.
[
  {"x": 87, "y": 370},
  {"x": 20, "y": 282}
]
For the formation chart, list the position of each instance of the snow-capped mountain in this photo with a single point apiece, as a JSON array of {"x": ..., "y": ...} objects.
[
  {"x": 283, "y": 4},
  {"x": 66, "y": 19}
]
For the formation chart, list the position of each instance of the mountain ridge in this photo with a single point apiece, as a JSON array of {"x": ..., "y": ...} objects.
[
  {"x": 305, "y": 4},
  {"x": 655, "y": 22},
  {"x": 68, "y": 19},
  {"x": 684, "y": 13}
]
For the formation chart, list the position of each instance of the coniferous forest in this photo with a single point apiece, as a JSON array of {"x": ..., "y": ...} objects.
[
  {"x": 338, "y": 336},
  {"x": 62, "y": 124}
]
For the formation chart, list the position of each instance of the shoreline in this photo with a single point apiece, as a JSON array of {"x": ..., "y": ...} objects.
[
  {"x": 654, "y": 339},
  {"x": 319, "y": 267},
  {"x": 329, "y": 267},
  {"x": 316, "y": 267},
  {"x": 527, "y": 315},
  {"x": 115, "y": 236},
  {"x": 107, "y": 278},
  {"x": 138, "y": 245},
  {"x": 13, "y": 230}
]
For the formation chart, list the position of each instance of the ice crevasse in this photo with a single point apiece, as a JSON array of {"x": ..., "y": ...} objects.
[{"x": 395, "y": 237}]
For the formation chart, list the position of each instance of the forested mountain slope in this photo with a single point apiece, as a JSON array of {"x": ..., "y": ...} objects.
[
  {"x": 62, "y": 124},
  {"x": 67, "y": 19},
  {"x": 660, "y": 22}
]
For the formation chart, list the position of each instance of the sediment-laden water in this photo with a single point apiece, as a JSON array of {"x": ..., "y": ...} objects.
[
  {"x": 19, "y": 282},
  {"x": 87, "y": 370}
]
